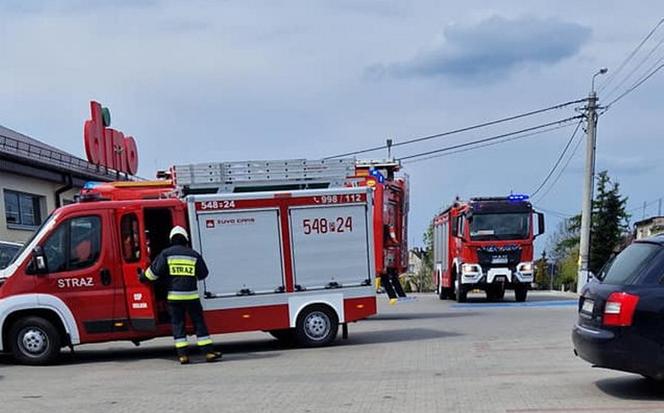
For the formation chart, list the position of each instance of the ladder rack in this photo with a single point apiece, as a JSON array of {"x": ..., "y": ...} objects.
[{"x": 250, "y": 176}]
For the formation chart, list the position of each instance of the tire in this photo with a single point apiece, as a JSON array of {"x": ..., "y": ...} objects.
[
  {"x": 35, "y": 341},
  {"x": 461, "y": 294},
  {"x": 442, "y": 292},
  {"x": 317, "y": 326},
  {"x": 285, "y": 336},
  {"x": 521, "y": 293}
]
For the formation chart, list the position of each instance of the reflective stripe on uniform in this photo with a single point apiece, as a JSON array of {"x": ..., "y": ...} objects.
[
  {"x": 182, "y": 295},
  {"x": 182, "y": 265},
  {"x": 150, "y": 275},
  {"x": 181, "y": 343},
  {"x": 204, "y": 341}
]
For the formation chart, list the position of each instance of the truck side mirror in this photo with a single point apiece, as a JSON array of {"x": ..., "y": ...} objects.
[
  {"x": 457, "y": 229},
  {"x": 540, "y": 224},
  {"x": 38, "y": 263},
  {"x": 455, "y": 226}
]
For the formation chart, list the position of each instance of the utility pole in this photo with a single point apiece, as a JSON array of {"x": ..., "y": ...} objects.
[{"x": 588, "y": 185}]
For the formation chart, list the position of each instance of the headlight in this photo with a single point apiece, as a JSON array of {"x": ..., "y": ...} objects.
[
  {"x": 526, "y": 267},
  {"x": 471, "y": 269}
]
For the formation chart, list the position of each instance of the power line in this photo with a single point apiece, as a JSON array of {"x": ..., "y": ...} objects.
[
  {"x": 440, "y": 155},
  {"x": 460, "y": 130},
  {"x": 633, "y": 87},
  {"x": 635, "y": 68},
  {"x": 646, "y": 205},
  {"x": 560, "y": 158},
  {"x": 560, "y": 173},
  {"x": 554, "y": 212},
  {"x": 629, "y": 57},
  {"x": 491, "y": 138}
]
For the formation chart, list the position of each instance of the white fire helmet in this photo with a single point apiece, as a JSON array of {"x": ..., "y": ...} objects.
[{"x": 178, "y": 230}]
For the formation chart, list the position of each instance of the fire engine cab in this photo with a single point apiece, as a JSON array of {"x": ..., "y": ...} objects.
[
  {"x": 295, "y": 258},
  {"x": 487, "y": 244}
]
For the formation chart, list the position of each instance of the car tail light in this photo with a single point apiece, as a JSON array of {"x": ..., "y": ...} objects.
[{"x": 619, "y": 309}]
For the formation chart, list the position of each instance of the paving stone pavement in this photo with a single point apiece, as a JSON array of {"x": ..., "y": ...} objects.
[{"x": 423, "y": 356}]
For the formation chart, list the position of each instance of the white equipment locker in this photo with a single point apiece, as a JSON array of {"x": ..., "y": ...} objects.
[{"x": 304, "y": 242}]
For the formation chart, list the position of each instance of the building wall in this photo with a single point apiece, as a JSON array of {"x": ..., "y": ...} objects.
[
  {"x": 19, "y": 183},
  {"x": 653, "y": 227},
  {"x": 415, "y": 263}
]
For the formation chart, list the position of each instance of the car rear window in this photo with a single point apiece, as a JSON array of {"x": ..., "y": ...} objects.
[
  {"x": 7, "y": 252},
  {"x": 635, "y": 260}
]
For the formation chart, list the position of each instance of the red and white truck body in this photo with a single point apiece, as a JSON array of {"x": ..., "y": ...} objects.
[
  {"x": 390, "y": 220},
  {"x": 280, "y": 261},
  {"x": 390, "y": 196},
  {"x": 487, "y": 244}
]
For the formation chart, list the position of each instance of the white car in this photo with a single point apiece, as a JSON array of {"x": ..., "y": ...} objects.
[{"x": 7, "y": 252}]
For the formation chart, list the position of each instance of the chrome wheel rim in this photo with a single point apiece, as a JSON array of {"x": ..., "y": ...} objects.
[
  {"x": 33, "y": 341},
  {"x": 317, "y": 325}
]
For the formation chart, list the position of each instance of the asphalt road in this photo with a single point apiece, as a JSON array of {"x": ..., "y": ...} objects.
[{"x": 422, "y": 356}]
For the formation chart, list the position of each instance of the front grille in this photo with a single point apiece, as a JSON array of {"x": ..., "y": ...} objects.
[{"x": 493, "y": 257}]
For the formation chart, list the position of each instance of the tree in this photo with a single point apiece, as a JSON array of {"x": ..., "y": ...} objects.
[
  {"x": 610, "y": 222},
  {"x": 568, "y": 269},
  {"x": 426, "y": 281},
  {"x": 565, "y": 247},
  {"x": 542, "y": 272}
]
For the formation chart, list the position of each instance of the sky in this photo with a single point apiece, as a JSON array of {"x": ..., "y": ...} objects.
[{"x": 201, "y": 81}]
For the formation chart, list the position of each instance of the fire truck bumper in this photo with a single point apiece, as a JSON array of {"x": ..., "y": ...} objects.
[{"x": 476, "y": 276}]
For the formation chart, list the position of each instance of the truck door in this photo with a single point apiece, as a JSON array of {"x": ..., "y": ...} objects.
[
  {"x": 140, "y": 298},
  {"x": 82, "y": 270}
]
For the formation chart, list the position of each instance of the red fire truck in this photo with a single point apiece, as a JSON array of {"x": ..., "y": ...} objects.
[
  {"x": 390, "y": 221},
  {"x": 295, "y": 260},
  {"x": 486, "y": 244}
]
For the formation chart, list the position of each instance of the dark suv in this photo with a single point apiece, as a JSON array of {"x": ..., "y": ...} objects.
[
  {"x": 7, "y": 252},
  {"x": 621, "y": 313}
]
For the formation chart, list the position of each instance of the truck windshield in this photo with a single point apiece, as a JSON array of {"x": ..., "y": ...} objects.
[{"x": 508, "y": 226}]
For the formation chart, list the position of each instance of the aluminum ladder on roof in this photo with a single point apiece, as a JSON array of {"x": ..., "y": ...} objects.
[{"x": 251, "y": 176}]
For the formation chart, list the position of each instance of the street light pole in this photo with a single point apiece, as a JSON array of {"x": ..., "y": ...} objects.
[{"x": 588, "y": 185}]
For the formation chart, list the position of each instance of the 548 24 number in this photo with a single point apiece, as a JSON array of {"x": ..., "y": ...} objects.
[{"x": 327, "y": 226}]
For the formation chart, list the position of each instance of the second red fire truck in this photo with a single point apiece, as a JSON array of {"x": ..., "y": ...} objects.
[{"x": 486, "y": 244}]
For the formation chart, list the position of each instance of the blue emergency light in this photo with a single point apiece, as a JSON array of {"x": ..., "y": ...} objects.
[
  {"x": 518, "y": 197},
  {"x": 376, "y": 174},
  {"x": 91, "y": 185}
]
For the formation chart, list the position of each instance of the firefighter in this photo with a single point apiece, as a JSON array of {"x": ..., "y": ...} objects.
[{"x": 184, "y": 267}]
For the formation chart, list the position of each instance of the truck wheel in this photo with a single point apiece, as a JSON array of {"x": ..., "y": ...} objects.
[
  {"x": 317, "y": 325},
  {"x": 285, "y": 336},
  {"x": 442, "y": 292},
  {"x": 34, "y": 341},
  {"x": 461, "y": 294},
  {"x": 520, "y": 293}
]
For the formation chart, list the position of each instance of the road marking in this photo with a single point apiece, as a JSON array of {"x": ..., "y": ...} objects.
[{"x": 537, "y": 304}]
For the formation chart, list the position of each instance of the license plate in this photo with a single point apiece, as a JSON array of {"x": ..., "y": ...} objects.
[
  {"x": 501, "y": 259},
  {"x": 588, "y": 306},
  {"x": 501, "y": 279}
]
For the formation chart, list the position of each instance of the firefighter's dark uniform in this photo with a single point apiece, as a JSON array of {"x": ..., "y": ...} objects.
[{"x": 184, "y": 267}]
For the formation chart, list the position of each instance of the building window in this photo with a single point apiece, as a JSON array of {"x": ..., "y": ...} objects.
[{"x": 22, "y": 209}]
